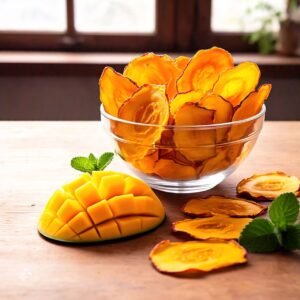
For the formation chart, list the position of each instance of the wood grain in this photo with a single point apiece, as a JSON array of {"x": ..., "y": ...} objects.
[{"x": 34, "y": 160}]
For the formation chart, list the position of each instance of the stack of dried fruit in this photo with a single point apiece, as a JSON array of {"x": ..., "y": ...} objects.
[
  {"x": 219, "y": 221},
  {"x": 204, "y": 90}
]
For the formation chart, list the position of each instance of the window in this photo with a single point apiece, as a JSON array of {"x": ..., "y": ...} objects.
[
  {"x": 128, "y": 25},
  {"x": 109, "y": 25}
]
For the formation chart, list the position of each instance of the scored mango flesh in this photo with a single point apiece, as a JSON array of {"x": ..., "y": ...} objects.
[
  {"x": 196, "y": 256},
  {"x": 268, "y": 186},
  {"x": 103, "y": 206},
  {"x": 159, "y": 96},
  {"x": 220, "y": 205},
  {"x": 217, "y": 227}
]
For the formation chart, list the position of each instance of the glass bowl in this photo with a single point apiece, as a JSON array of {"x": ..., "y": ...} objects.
[{"x": 183, "y": 159}]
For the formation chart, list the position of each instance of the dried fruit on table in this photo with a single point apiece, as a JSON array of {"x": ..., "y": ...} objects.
[
  {"x": 148, "y": 105},
  {"x": 268, "y": 186},
  {"x": 193, "y": 143},
  {"x": 154, "y": 69},
  {"x": 181, "y": 62},
  {"x": 219, "y": 205},
  {"x": 110, "y": 96},
  {"x": 186, "y": 97},
  {"x": 103, "y": 206},
  {"x": 218, "y": 227},
  {"x": 196, "y": 257},
  {"x": 249, "y": 107},
  {"x": 223, "y": 112},
  {"x": 235, "y": 84},
  {"x": 204, "y": 69},
  {"x": 169, "y": 169}
]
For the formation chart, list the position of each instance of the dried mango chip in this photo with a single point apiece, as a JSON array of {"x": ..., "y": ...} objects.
[
  {"x": 235, "y": 84},
  {"x": 154, "y": 69},
  {"x": 182, "y": 98},
  {"x": 218, "y": 227},
  {"x": 149, "y": 105},
  {"x": 220, "y": 205},
  {"x": 193, "y": 143},
  {"x": 196, "y": 257},
  {"x": 169, "y": 169},
  {"x": 216, "y": 163},
  {"x": 114, "y": 90},
  {"x": 147, "y": 163},
  {"x": 249, "y": 107},
  {"x": 268, "y": 186},
  {"x": 204, "y": 69},
  {"x": 181, "y": 62},
  {"x": 223, "y": 112}
]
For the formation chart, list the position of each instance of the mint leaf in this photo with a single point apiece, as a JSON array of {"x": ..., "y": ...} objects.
[
  {"x": 290, "y": 238},
  {"x": 259, "y": 236},
  {"x": 104, "y": 160},
  {"x": 82, "y": 164},
  {"x": 93, "y": 159},
  {"x": 284, "y": 210}
]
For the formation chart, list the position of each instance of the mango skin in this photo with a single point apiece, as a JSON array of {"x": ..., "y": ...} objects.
[{"x": 106, "y": 205}]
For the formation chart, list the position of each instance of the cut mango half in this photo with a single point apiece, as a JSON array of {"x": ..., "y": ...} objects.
[
  {"x": 103, "y": 206},
  {"x": 196, "y": 257},
  {"x": 268, "y": 186}
]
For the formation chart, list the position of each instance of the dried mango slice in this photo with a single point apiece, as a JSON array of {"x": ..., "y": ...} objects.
[
  {"x": 182, "y": 98},
  {"x": 219, "y": 205},
  {"x": 268, "y": 186},
  {"x": 168, "y": 169},
  {"x": 114, "y": 90},
  {"x": 195, "y": 144},
  {"x": 249, "y": 107},
  {"x": 235, "y": 84},
  {"x": 223, "y": 112},
  {"x": 218, "y": 227},
  {"x": 147, "y": 163},
  {"x": 149, "y": 105},
  {"x": 196, "y": 257},
  {"x": 104, "y": 206},
  {"x": 154, "y": 69},
  {"x": 216, "y": 163},
  {"x": 181, "y": 62},
  {"x": 204, "y": 69}
]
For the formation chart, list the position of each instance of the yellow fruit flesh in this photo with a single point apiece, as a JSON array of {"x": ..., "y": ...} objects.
[{"x": 106, "y": 205}]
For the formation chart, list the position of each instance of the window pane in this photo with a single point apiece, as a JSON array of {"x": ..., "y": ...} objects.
[
  {"x": 33, "y": 15},
  {"x": 115, "y": 16},
  {"x": 231, "y": 15}
]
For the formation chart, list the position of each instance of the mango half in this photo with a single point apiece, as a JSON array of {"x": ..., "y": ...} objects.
[{"x": 103, "y": 206}]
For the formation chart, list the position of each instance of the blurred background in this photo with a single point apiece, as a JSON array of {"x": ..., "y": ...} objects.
[{"x": 52, "y": 52}]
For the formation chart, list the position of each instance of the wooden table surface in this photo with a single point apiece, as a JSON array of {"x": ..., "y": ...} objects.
[{"x": 34, "y": 161}]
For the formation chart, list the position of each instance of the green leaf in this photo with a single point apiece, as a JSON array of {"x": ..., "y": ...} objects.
[
  {"x": 284, "y": 210},
  {"x": 93, "y": 160},
  {"x": 290, "y": 238},
  {"x": 259, "y": 236},
  {"x": 104, "y": 160},
  {"x": 82, "y": 164}
]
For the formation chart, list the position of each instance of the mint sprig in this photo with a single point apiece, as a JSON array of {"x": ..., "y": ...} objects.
[
  {"x": 91, "y": 163},
  {"x": 279, "y": 231}
]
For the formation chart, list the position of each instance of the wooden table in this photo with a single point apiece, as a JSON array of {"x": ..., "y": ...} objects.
[{"x": 34, "y": 161}]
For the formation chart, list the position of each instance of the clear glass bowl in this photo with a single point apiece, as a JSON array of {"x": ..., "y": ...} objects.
[{"x": 183, "y": 159}]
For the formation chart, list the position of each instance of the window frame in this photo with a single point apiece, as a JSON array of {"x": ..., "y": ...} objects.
[
  {"x": 181, "y": 26},
  {"x": 71, "y": 40}
]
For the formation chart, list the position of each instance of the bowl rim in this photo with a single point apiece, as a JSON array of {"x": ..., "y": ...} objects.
[{"x": 206, "y": 126}]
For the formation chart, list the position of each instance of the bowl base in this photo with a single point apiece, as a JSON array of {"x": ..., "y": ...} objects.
[{"x": 187, "y": 186}]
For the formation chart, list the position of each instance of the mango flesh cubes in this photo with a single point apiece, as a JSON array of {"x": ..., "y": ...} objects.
[{"x": 103, "y": 206}]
